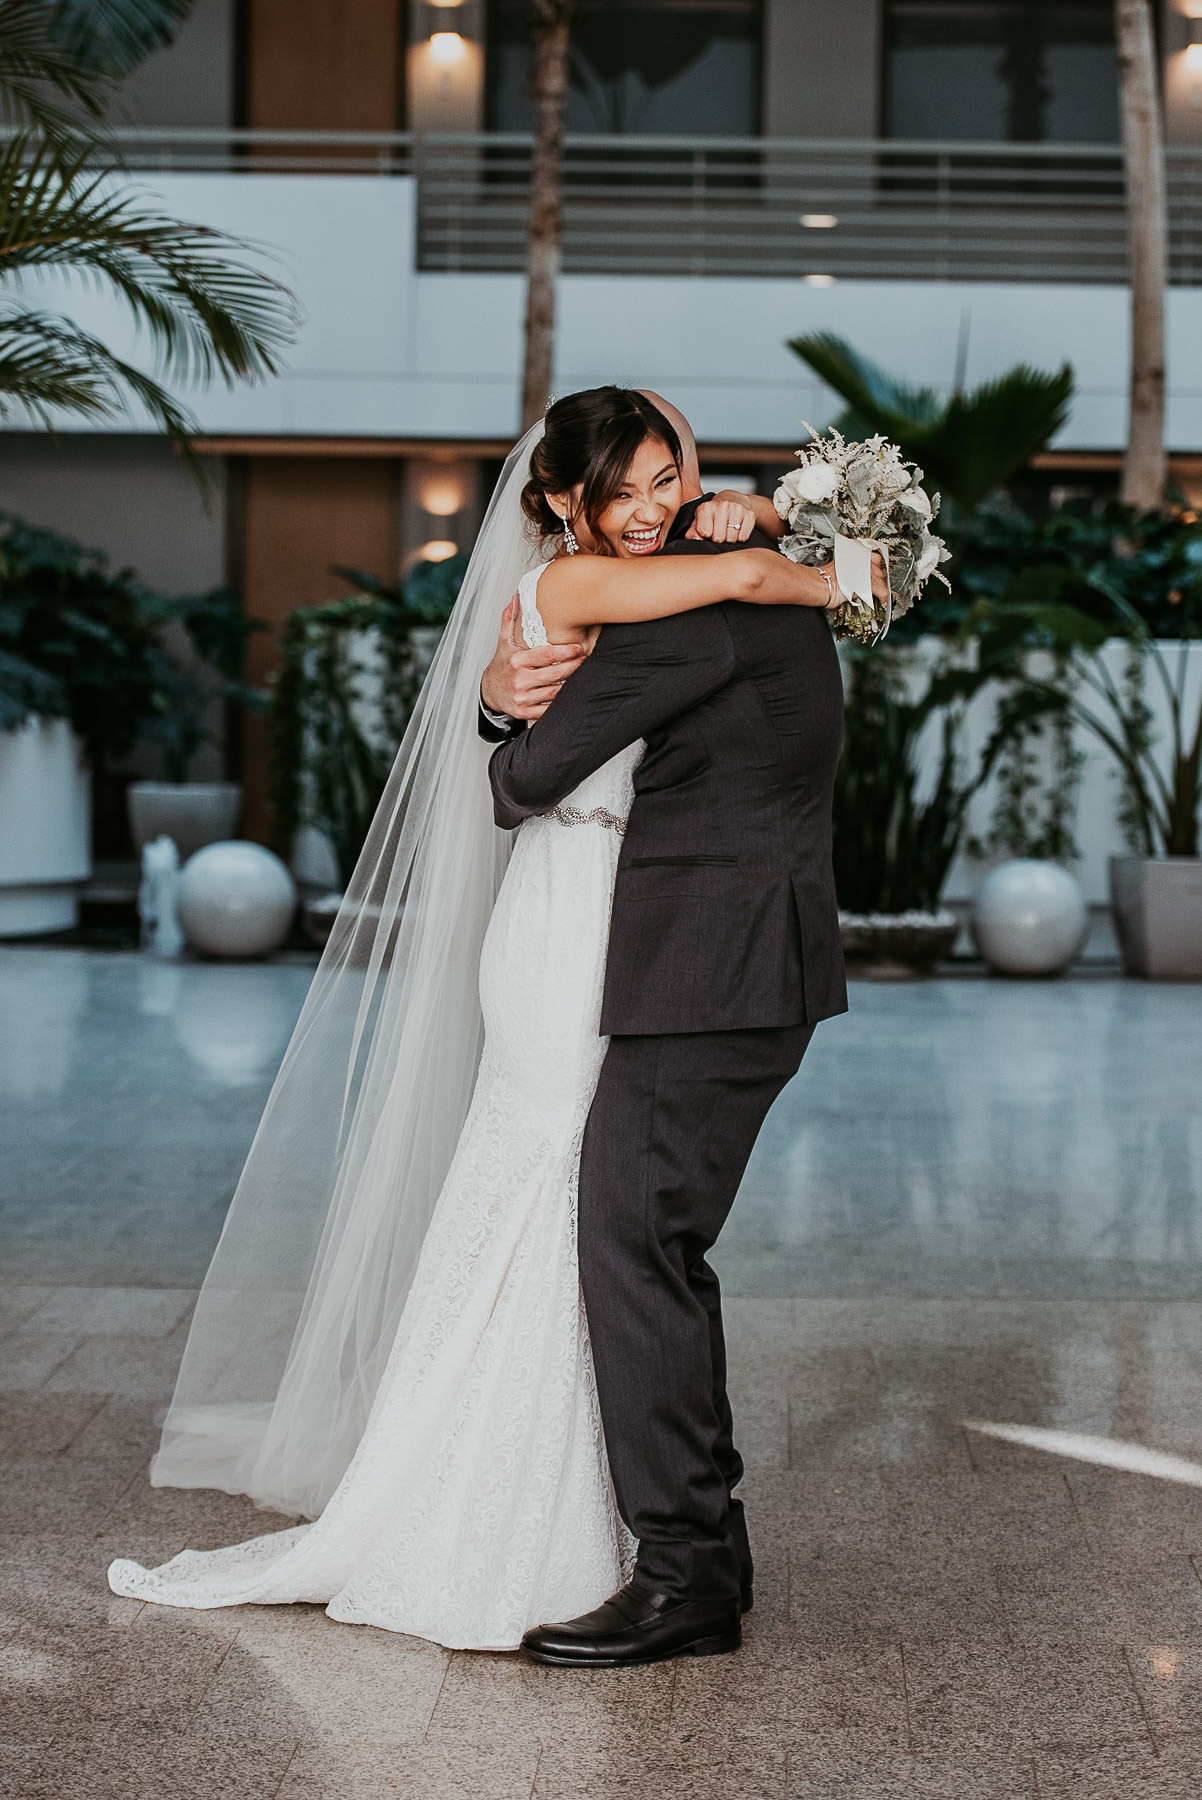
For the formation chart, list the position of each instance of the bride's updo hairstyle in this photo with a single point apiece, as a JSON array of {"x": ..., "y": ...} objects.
[{"x": 589, "y": 442}]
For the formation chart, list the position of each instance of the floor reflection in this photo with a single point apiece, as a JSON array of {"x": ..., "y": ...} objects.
[
  {"x": 970, "y": 1136},
  {"x": 1031, "y": 1137}
]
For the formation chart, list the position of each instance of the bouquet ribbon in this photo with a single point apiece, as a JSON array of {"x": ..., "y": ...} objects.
[{"x": 853, "y": 572}]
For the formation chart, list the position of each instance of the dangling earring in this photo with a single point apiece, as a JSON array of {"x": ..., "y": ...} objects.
[{"x": 569, "y": 538}]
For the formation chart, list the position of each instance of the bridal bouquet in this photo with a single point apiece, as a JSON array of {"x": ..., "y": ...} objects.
[{"x": 843, "y": 502}]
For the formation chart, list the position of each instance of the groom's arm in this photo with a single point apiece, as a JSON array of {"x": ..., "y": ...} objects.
[{"x": 637, "y": 679}]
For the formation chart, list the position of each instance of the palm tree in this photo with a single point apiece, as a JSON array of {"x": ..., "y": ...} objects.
[
  {"x": 969, "y": 445},
  {"x": 1147, "y": 238},
  {"x": 552, "y": 33},
  {"x": 206, "y": 312}
]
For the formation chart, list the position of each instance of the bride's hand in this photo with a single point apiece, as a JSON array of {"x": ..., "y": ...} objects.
[
  {"x": 729, "y": 518},
  {"x": 880, "y": 579},
  {"x": 880, "y": 582},
  {"x": 522, "y": 683}
]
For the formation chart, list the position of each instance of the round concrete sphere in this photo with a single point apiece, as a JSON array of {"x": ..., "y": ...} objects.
[
  {"x": 1029, "y": 918},
  {"x": 235, "y": 900}
]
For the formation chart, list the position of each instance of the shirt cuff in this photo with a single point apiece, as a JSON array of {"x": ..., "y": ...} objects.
[{"x": 501, "y": 721}]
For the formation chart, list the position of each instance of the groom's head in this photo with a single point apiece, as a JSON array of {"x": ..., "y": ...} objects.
[{"x": 690, "y": 466}]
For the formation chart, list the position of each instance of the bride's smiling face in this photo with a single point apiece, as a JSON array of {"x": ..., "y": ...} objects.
[{"x": 637, "y": 520}]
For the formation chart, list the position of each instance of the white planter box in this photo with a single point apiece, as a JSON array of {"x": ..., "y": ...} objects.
[
  {"x": 1158, "y": 915},
  {"x": 45, "y": 828},
  {"x": 193, "y": 813}
]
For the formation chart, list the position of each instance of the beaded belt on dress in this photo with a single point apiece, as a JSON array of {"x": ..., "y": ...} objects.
[{"x": 600, "y": 815}]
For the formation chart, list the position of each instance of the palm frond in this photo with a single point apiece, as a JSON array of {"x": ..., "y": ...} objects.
[
  {"x": 885, "y": 403},
  {"x": 984, "y": 436},
  {"x": 968, "y": 446},
  {"x": 47, "y": 365},
  {"x": 114, "y": 36},
  {"x": 207, "y": 312},
  {"x": 42, "y": 81}
]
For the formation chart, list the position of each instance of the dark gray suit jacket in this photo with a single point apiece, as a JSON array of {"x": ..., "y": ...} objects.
[{"x": 724, "y": 914}]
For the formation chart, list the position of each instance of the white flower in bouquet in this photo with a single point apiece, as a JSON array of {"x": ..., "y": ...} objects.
[
  {"x": 917, "y": 500},
  {"x": 869, "y": 493},
  {"x": 815, "y": 481},
  {"x": 931, "y": 555}
]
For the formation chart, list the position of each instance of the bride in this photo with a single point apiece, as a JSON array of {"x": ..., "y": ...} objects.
[{"x": 390, "y": 1339}]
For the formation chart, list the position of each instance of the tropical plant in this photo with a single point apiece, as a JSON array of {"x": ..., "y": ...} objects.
[
  {"x": 1161, "y": 805},
  {"x": 1035, "y": 802},
  {"x": 220, "y": 634},
  {"x": 64, "y": 208},
  {"x": 895, "y": 836},
  {"x": 80, "y": 643},
  {"x": 76, "y": 642},
  {"x": 349, "y": 676},
  {"x": 111, "y": 37},
  {"x": 1154, "y": 559},
  {"x": 968, "y": 446}
]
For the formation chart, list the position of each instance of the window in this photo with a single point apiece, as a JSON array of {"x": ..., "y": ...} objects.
[
  {"x": 660, "y": 67},
  {"x": 1018, "y": 71}
]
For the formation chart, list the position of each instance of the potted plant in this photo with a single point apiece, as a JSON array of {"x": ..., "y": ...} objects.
[
  {"x": 84, "y": 676},
  {"x": 894, "y": 842},
  {"x": 81, "y": 671},
  {"x": 349, "y": 676},
  {"x": 194, "y": 813},
  {"x": 1156, "y": 892}
]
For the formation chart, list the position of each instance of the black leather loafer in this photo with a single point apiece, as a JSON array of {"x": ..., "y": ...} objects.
[{"x": 638, "y": 1626}]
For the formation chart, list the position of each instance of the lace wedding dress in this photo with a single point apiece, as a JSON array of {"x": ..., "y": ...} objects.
[{"x": 479, "y": 1501}]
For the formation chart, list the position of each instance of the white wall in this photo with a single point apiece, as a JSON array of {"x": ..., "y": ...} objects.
[{"x": 386, "y": 351}]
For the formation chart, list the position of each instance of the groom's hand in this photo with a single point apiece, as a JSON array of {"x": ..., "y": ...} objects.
[{"x": 522, "y": 683}]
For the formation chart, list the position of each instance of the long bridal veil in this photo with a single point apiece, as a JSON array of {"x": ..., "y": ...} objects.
[{"x": 301, "y": 1302}]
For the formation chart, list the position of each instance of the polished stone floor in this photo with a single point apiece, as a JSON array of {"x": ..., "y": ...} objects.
[{"x": 978, "y": 1202}]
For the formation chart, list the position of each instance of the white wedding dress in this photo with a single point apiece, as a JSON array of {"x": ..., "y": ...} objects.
[{"x": 479, "y": 1500}]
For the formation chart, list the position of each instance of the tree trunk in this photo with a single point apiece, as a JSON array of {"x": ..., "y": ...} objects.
[
  {"x": 1147, "y": 237},
  {"x": 552, "y": 27}
]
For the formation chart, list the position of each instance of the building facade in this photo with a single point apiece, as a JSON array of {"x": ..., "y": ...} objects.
[{"x": 937, "y": 180}]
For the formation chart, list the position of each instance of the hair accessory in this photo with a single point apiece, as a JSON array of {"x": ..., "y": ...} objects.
[{"x": 570, "y": 543}]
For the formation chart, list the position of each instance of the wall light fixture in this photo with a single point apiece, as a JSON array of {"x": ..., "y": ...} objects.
[{"x": 447, "y": 47}]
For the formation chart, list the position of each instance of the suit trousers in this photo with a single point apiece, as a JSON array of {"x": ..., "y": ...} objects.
[{"x": 672, "y": 1125}]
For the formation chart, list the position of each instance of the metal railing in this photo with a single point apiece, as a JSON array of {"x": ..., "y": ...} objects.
[{"x": 741, "y": 206}]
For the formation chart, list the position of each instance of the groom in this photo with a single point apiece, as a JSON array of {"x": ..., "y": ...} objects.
[{"x": 723, "y": 955}]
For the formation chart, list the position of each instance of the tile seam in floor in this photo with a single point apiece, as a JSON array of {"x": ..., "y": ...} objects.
[
  {"x": 84, "y": 1425},
  {"x": 901, "y": 1650},
  {"x": 279, "y": 1786},
  {"x": 50, "y": 1373},
  {"x": 438, "y": 1696},
  {"x": 186, "y": 1729},
  {"x": 1139, "y": 1701}
]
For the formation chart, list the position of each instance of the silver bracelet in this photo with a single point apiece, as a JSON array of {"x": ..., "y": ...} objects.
[{"x": 830, "y": 590}]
